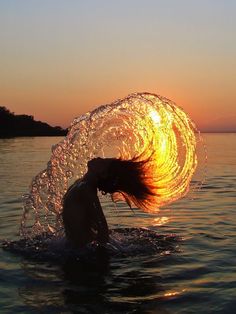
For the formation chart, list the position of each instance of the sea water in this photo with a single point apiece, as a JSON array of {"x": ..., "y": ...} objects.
[{"x": 188, "y": 267}]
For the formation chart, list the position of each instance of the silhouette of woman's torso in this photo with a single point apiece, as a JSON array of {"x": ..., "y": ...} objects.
[{"x": 83, "y": 217}]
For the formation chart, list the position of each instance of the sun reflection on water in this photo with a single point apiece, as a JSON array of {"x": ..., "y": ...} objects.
[
  {"x": 160, "y": 221},
  {"x": 174, "y": 293}
]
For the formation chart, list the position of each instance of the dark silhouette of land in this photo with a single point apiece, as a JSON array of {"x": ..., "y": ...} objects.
[{"x": 12, "y": 125}]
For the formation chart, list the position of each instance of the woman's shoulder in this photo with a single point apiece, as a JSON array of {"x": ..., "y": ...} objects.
[
  {"x": 79, "y": 189},
  {"x": 83, "y": 186}
]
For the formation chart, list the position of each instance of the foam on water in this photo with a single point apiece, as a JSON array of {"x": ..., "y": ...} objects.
[{"x": 122, "y": 242}]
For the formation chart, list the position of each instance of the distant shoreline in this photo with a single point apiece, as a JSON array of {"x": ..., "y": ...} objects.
[
  {"x": 63, "y": 135},
  {"x": 12, "y": 125},
  {"x": 25, "y": 136}
]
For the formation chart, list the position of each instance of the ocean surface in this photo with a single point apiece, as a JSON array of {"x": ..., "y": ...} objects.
[{"x": 181, "y": 260}]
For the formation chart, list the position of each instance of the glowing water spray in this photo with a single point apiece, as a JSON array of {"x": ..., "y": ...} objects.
[{"x": 141, "y": 124}]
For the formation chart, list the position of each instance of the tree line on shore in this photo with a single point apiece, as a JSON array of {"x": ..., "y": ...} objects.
[{"x": 14, "y": 125}]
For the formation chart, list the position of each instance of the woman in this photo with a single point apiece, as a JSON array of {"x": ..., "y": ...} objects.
[{"x": 82, "y": 214}]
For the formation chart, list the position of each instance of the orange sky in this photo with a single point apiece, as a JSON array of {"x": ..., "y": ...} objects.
[{"x": 62, "y": 58}]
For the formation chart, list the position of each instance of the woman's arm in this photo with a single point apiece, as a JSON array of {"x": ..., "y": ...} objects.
[{"x": 99, "y": 222}]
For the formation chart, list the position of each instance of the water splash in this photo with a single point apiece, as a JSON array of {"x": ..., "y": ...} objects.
[
  {"x": 141, "y": 123},
  {"x": 123, "y": 242}
]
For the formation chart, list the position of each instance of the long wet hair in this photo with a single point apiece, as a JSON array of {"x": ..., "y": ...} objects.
[{"x": 132, "y": 181}]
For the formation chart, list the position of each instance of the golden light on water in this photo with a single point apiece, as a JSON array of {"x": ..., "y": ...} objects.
[
  {"x": 160, "y": 221},
  {"x": 174, "y": 293}
]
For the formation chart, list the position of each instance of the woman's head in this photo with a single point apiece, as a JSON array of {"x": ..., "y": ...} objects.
[
  {"x": 99, "y": 167},
  {"x": 125, "y": 179}
]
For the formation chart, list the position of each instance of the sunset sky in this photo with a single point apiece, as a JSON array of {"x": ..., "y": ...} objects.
[{"x": 60, "y": 59}]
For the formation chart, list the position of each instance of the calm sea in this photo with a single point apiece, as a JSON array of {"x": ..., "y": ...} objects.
[{"x": 199, "y": 276}]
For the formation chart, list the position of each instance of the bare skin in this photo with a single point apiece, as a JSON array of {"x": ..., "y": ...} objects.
[{"x": 83, "y": 218}]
